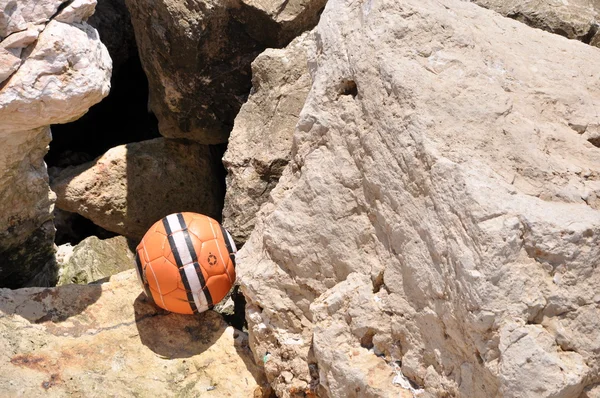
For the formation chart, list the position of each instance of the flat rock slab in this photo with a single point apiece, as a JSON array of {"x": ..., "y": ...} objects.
[{"x": 107, "y": 340}]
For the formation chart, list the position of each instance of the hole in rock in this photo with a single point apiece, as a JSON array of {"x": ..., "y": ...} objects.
[
  {"x": 366, "y": 341},
  {"x": 348, "y": 87},
  {"x": 587, "y": 39},
  {"x": 595, "y": 141}
]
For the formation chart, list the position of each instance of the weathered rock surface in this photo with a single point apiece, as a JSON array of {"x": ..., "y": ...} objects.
[
  {"x": 26, "y": 229},
  {"x": 67, "y": 71},
  {"x": 575, "y": 19},
  {"x": 132, "y": 186},
  {"x": 261, "y": 141},
  {"x": 197, "y": 57},
  {"x": 106, "y": 340},
  {"x": 440, "y": 211},
  {"x": 94, "y": 259},
  {"x": 113, "y": 22},
  {"x": 52, "y": 72},
  {"x": 9, "y": 63},
  {"x": 16, "y": 16}
]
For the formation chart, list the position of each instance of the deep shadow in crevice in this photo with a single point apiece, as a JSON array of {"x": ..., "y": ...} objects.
[{"x": 122, "y": 117}]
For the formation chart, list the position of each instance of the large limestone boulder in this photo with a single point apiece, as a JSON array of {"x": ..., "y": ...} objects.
[
  {"x": 106, "y": 340},
  {"x": 132, "y": 186},
  {"x": 94, "y": 259},
  {"x": 261, "y": 140},
  {"x": 197, "y": 57},
  {"x": 439, "y": 221},
  {"x": 56, "y": 71},
  {"x": 575, "y": 19},
  {"x": 64, "y": 73}
]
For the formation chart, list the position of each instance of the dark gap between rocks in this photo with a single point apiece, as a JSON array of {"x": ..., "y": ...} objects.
[{"x": 121, "y": 118}]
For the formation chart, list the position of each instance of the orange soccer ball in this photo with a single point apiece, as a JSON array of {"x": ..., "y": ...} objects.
[{"x": 186, "y": 263}]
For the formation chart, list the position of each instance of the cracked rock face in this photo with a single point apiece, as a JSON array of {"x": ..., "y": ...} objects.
[
  {"x": 439, "y": 215},
  {"x": 261, "y": 141},
  {"x": 78, "y": 340},
  {"x": 51, "y": 72},
  {"x": 575, "y": 19},
  {"x": 93, "y": 259},
  {"x": 197, "y": 57}
]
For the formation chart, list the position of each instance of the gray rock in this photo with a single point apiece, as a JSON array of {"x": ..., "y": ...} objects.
[
  {"x": 132, "y": 186},
  {"x": 94, "y": 259},
  {"x": 261, "y": 141},
  {"x": 438, "y": 211}
]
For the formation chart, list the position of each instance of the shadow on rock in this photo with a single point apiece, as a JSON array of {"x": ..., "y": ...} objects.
[
  {"x": 173, "y": 335},
  {"x": 57, "y": 304}
]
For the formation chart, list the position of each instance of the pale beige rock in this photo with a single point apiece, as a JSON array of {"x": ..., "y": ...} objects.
[
  {"x": 22, "y": 39},
  {"x": 261, "y": 141},
  {"x": 77, "y": 11},
  {"x": 132, "y": 186},
  {"x": 351, "y": 369},
  {"x": 18, "y": 15},
  {"x": 67, "y": 71},
  {"x": 106, "y": 340},
  {"x": 575, "y": 19},
  {"x": 9, "y": 63},
  {"x": 94, "y": 259},
  {"x": 442, "y": 155}
]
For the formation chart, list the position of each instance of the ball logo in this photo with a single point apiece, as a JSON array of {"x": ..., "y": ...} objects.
[
  {"x": 185, "y": 263},
  {"x": 212, "y": 259}
]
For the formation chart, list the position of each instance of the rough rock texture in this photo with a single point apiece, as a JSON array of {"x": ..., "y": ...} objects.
[
  {"x": 16, "y": 16},
  {"x": 132, "y": 186},
  {"x": 105, "y": 340},
  {"x": 575, "y": 19},
  {"x": 9, "y": 63},
  {"x": 57, "y": 71},
  {"x": 67, "y": 71},
  {"x": 94, "y": 259},
  {"x": 261, "y": 141},
  {"x": 197, "y": 57},
  {"x": 440, "y": 211},
  {"x": 76, "y": 11},
  {"x": 26, "y": 229},
  {"x": 113, "y": 22}
]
